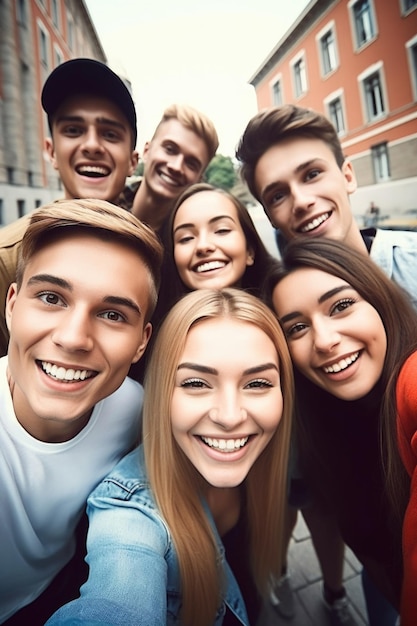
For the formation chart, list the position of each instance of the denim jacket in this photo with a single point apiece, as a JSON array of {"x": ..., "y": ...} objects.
[
  {"x": 134, "y": 574},
  {"x": 395, "y": 251}
]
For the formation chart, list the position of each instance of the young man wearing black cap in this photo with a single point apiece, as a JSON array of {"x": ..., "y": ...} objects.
[{"x": 92, "y": 121}]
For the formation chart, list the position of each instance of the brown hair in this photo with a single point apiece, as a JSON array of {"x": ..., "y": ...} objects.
[
  {"x": 173, "y": 288},
  {"x": 398, "y": 317},
  {"x": 175, "y": 482},
  {"x": 277, "y": 124},
  {"x": 105, "y": 221},
  {"x": 192, "y": 119}
]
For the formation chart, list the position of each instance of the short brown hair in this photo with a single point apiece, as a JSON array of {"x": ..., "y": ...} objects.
[
  {"x": 196, "y": 121},
  {"x": 277, "y": 124},
  {"x": 105, "y": 220}
]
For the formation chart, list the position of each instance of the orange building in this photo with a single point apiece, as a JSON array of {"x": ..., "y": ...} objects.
[
  {"x": 35, "y": 37},
  {"x": 356, "y": 62}
]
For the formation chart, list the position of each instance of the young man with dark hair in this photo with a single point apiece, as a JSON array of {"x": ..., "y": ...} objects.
[{"x": 293, "y": 163}]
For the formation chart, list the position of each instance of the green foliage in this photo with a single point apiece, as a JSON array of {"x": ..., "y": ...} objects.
[
  {"x": 221, "y": 172},
  {"x": 139, "y": 169}
]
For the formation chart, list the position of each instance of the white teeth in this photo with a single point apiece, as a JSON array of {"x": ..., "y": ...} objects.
[
  {"x": 210, "y": 265},
  {"x": 315, "y": 223},
  {"x": 342, "y": 364},
  {"x": 93, "y": 169},
  {"x": 169, "y": 180},
  {"x": 60, "y": 373},
  {"x": 225, "y": 445}
]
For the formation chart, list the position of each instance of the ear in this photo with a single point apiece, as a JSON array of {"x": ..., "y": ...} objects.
[
  {"x": 250, "y": 257},
  {"x": 10, "y": 302},
  {"x": 145, "y": 151},
  {"x": 350, "y": 178},
  {"x": 49, "y": 147},
  {"x": 146, "y": 335},
  {"x": 134, "y": 159}
]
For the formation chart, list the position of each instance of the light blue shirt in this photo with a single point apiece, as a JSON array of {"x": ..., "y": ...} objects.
[
  {"x": 395, "y": 251},
  {"x": 134, "y": 574}
]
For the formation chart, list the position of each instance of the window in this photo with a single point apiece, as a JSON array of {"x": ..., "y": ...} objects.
[
  {"x": 374, "y": 98},
  {"x": 70, "y": 31},
  {"x": 10, "y": 175},
  {"x": 21, "y": 12},
  {"x": 30, "y": 179},
  {"x": 364, "y": 22},
  {"x": 20, "y": 208},
  {"x": 328, "y": 52},
  {"x": 43, "y": 46},
  {"x": 408, "y": 5},
  {"x": 300, "y": 77},
  {"x": 38, "y": 203},
  {"x": 59, "y": 57},
  {"x": 1, "y": 210},
  {"x": 277, "y": 93},
  {"x": 55, "y": 12},
  {"x": 412, "y": 61},
  {"x": 380, "y": 159},
  {"x": 336, "y": 116}
]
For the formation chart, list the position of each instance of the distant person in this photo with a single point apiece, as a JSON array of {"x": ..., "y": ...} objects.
[
  {"x": 372, "y": 216},
  {"x": 87, "y": 281},
  {"x": 92, "y": 121},
  {"x": 292, "y": 161}
]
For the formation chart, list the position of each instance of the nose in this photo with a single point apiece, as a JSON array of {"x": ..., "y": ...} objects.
[
  {"x": 176, "y": 162},
  {"x": 326, "y": 336},
  {"x": 229, "y": 413},
  {"x": 204, "y": 244},
  {"x": 92, "y": 143},
  {"x": 302, "y": 198},
  {"x": 73, "y": 332}
]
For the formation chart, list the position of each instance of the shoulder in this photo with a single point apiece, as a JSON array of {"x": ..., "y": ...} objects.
[
  {"x": 127, "y": 478},
  {"x": 130, "y": 391},
  {"x": 396, "y": 238},
  {"x": 407, "y": 387}
]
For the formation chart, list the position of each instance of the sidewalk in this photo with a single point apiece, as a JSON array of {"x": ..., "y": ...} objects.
[{"x": 307, "y": 585}]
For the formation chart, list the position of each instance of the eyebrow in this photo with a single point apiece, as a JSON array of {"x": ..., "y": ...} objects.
[
  {"x": 211, "y": 370},
  {"x": 297, "y": 170},
  {"x": 211, "y": 221},
  {"x": 99, "y": 120},
  {"x": 325, "y": 296},
  {"x": 64, "y": 284}
]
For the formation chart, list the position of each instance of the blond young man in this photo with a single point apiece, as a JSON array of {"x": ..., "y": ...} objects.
[{"x": 87, "y": 281}]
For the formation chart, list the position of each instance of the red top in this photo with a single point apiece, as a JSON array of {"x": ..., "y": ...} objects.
[{"x": 407, "y": 442}]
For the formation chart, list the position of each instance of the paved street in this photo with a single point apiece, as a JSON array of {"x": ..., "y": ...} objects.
[{"x": 303, "y": 564}]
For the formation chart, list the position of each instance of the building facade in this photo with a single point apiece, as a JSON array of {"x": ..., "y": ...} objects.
[
  {"x": 356, "y": 62},
  {"x": 35, "y": 37}
]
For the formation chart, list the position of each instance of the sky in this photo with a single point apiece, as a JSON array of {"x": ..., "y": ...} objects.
[{"x": 192, "y": 52}]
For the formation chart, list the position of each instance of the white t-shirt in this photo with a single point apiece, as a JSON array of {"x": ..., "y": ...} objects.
[{"x": 44, "y": 488}]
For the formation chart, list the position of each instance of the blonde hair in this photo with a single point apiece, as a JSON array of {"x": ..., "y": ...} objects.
[
  {"x": 105, "y": 221},
  {"x": 175, "y": 482},
  {"x": 192, "y": 119}
]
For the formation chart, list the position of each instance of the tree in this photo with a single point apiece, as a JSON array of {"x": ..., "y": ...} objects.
[{"x": 221, "y": 172}]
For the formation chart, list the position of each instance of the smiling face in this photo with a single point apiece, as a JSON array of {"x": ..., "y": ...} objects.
[
  {"x": 91, "y": 148},
  {"x": 174, "y": 159},
  {"x": 305, "y": 193},
  {"x": 336, "y": 338},
  {"x": 76, "y": 303},
  {"x": 210, "y": 248},
  {"x": 227, "y": 400}
]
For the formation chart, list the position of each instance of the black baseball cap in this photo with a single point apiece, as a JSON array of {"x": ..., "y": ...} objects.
[{"x": 87, "y": 76}]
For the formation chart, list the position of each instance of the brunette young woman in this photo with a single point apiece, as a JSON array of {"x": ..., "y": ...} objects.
[
  {"x": 180, "y": 532},
  {"x": 210, "y": 241},
  {"x": 352, "y": 335}
]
